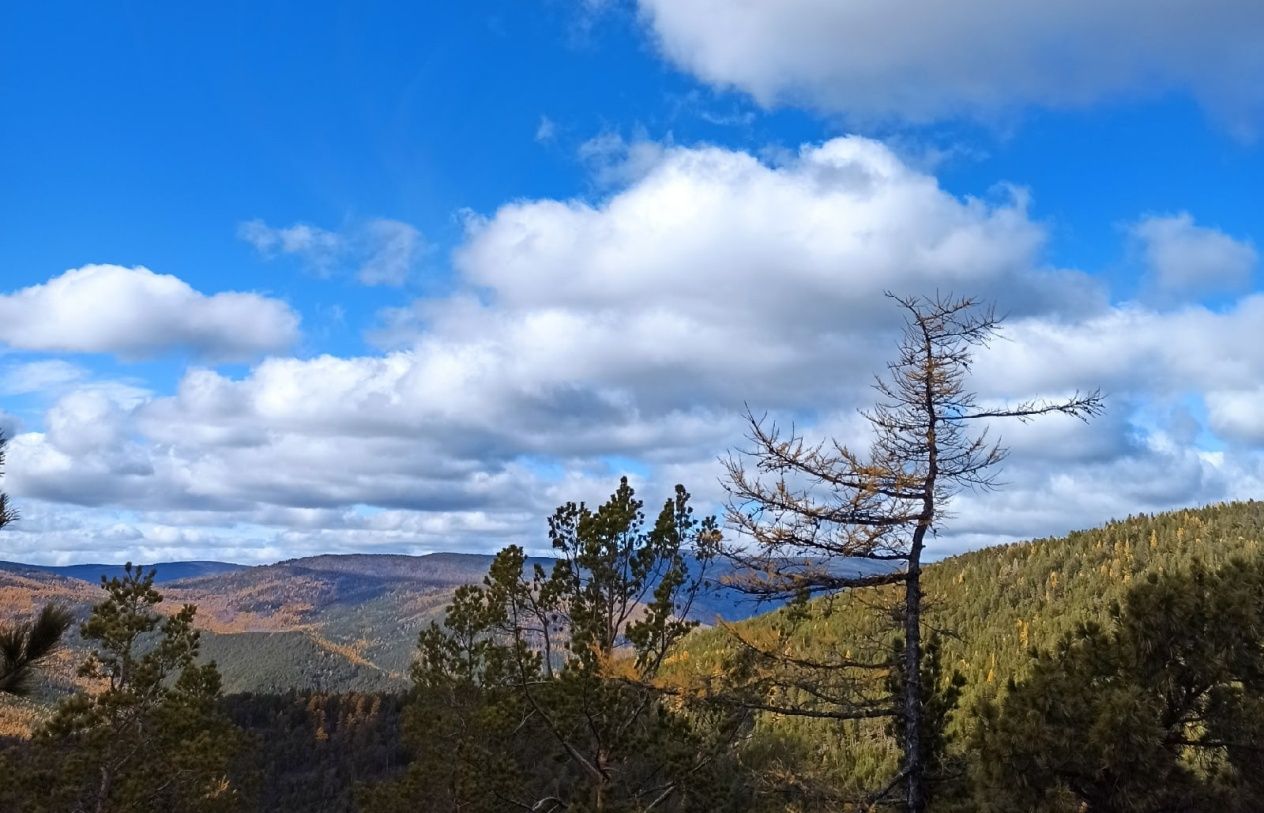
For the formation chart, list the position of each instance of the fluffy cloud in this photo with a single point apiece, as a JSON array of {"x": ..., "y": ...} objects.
[
  {"x": 590, "y": 338},
  {"x": 1130, "y": 348},
  {"x": 378, "y": 251},
  {"x": 925, "y": 59},
  {"x": 133, "y": 312},
  {"x": 718, "y": 246},
  {"x": 1183, "y": 257},
  {"x": 1238, "y": 414}
]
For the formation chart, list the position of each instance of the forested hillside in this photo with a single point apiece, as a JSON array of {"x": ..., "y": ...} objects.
[
  {"x": 1002, "y": 601},
  {"x": 324, "y": 623},
  {"x": 344, "y": 623},
  {"x": 995, "y": 604},
  {"x": 991, "y": 607}
]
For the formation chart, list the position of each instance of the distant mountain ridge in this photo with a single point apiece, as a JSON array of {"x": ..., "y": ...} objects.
[
  {"x": 332, "y": 621},
  {"x": 166, "y": 571}
]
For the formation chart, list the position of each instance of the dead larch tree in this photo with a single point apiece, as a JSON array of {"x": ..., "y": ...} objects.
[{"x": 817, "y": 519}]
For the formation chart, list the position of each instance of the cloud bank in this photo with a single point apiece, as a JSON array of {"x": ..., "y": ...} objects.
[
  {"x": 924, "y": 60},
  {"x": 587, "y": 339}
]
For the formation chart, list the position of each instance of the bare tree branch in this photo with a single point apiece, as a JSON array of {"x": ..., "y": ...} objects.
[{"x": 806, "y": 511}]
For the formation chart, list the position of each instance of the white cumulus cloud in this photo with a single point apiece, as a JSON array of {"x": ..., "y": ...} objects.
[
  {"x": 1238, "y": 413},
  {"x": 1183, "y": 257},
  {"x": 925, "y": 59},
  {"x": 134, "y": 312}
]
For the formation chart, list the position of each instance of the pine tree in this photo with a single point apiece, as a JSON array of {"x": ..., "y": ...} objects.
[
  {"x": 8, "y": 513},
  {"x": 24, "y": 646},
  {"x": 1161, "y": 709},
  {"x": 541, "y": 686},
  {"x": 152, "y": 737},
  {"x": 940, "y": 696}
]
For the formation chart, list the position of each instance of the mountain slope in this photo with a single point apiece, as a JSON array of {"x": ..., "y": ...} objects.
[
  {"x": 997, "y": 602},
  {"x": 992, "y": 606},
  {"x": 330, "y": 622},
  {"x": 1000, "y": 601}
]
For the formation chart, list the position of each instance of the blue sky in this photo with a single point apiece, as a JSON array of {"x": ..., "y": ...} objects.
[{"x": 504, "y": 236}]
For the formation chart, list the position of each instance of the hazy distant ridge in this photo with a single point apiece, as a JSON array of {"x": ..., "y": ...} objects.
[{"x": 167, "y": 571}]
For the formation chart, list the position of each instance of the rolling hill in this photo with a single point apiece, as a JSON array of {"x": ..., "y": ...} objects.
[
  {"x": 991, "y": 607},
  {"x": 329, "y": 622},
  {"x": 335, "y": 623},
  {"x": 349, "y": 622}
]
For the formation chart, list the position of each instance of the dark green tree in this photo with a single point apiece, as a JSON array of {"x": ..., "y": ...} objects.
[
  {"x": 470, "y": 737},
  {"x": 1160, "y": 710},
  {"x": 7, "y": 512},
  {"x": 940, "y": 695},
  {"x": 543, "y": 684},
  {"x": 151, "y": 736},
  {"x": 25, "y": 646}
]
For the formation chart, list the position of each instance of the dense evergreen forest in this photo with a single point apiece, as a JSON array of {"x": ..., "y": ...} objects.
[
  {"x": 1013, "y": 620},
  {"x": 995, "y": 609}
]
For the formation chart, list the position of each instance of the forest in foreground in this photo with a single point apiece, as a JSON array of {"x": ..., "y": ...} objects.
[{"x": 1012, "y": 611}]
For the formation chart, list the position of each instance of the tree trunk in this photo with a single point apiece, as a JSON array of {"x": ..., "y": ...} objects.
[
  {"x": 915, "y": 796},
  {"x": 103, "y": 789},
  {"x": 599, "y": 792},
  {"x": 915, "y": 782}
]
